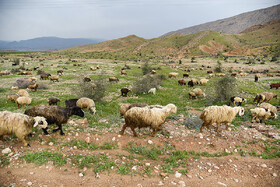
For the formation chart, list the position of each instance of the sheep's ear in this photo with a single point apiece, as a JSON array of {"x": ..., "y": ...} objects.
[{"x": 35, "y": 124}]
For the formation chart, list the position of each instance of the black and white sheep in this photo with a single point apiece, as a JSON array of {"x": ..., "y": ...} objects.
[
  {"x": 262, "y": 113},
  {"x": 54, "y": 114},
  {"x": 238, "y": 100},
  {"x": 19, "y": 124}
]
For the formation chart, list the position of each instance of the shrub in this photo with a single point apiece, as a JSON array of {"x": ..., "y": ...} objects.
[
  {"x": 143, "y": 85},
  {"x": 41, "y": 72},
  {"x": 193, "y": 122},
  {"x": 146, "y": 69},
  {"x": 218, "y": 68},
  {"x": 22, "y": 83},
  {"x": 16, "y": 61}
]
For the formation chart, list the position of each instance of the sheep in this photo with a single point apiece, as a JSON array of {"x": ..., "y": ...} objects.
[
  {"x": 87, "y": 103},
  {"x": 11, "y": 97},
  {"x": 257, "y": 76},
  {"x": 146, "y": 117},
  {"x": 173, "y": 75},
  {"x": 219, "y": 114},
  {"x": 59, "y": 72},
  {"x": 272, "y": 108},
  {"x": 54, "y": 78},
  {"x": 126, "y": 106},
  {"x": 113, "y": 79},
  {"x": 31, "y": 79},
  {"x": 93, "y": 68},
  {"x": 22, "y": 92},
  {"x": 86, "y": 79},
  {"x": 211, "y": 75},
  {"x": 262, "y": 113},
  {"x": 182, "y": 82},
  {"x": 220, "y": 74},
  {"x": 54, "y": 114},
  {"x": 275, "y": 85},
  {"x": 203, "y": 81},
  {"x": 209, "y": 71},
  {"x": 264, "y": 96},
  {"x": 19, "y": 124},
  {"x": 33, "y": 87},
  {"x": 23, "y": 101},
  {"x": 153, "y": 72},
  {"x": 71, "y": 103},
  {"x": 234, "y": 74},
  {"x": 243, "y": 74},
  {"x": 195, "y": 93},
  {"x": 124, "y": 92},
  {"x": 153, "y": 91},
  {"x": 185, "y": 75},
  {"x": 14, "y": 87},
  {"x": 53, "y": 100},
  {"x": 238, "y": 100},
  {"x": 45, "y": 76},
  {"x": 123, "y": 72}
]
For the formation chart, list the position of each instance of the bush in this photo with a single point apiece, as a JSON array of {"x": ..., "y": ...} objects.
[
  {"x": 193, "y": 122},
  {"x": 22, "y": 83},
  {"x": 218, "y": 68},
  {"x": 222, "y": 90},
  {"x": 86, "y": 89},
  {"x": 143, "y": 85},
  {"x": 16, "y": 61},
  {"x": 41, "y": 72},
  {"x": 146, "y": 69}
]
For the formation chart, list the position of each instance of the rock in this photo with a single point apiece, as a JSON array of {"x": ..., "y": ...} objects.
[
  {"x": 264, "y": 165},
  {"x": 29, "y": 183},
  {"x": 200, "y": 177},
  {"x": 150, "y": 142},
  {"x": 97, "y": 176},
  {"x": 77, "y": 134},
  {"x": 134, "y": 168},
  {"x": 189, "y": 176},
  {"x": 22, "y": 180},
  {"x": 87, "y": 139},
  {"x": 177, "y": 174},
  {"x": 209, "y": 170},
  {"x": 274, "y": 174},
  {"x": 220, "y": 183},
  {"x": 160, "y": 183},
  {"x": 200, "y": 135},
  {"x": 113, "y": 139},
  {"x": 174, "y": 183},
  {"x": 31, "y": 173},
  {"x": 255, "y": 176},
  {"x": 75, "y": 147},
  {"x": 216, "y": 167},
  {"x": 181, "y": 183},
  {"x": 6, "y": 151},
  {"x": 147, "y": 164},
  {"x": 119, "y": 135},
  {"x": 163, "y": 174},
  {"x": 51, "y": 144},
  {"x": 81, "y": 174}
]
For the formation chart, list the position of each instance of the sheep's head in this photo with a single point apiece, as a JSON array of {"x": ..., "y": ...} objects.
[
  {"x": 77, "y": 111},
  {"x": 41, "y": 122},
  {"x": 275, "y": 96},
  {"x": 244, "y": 100},
  {"x": 93, "y": 110},
  {"x": 239, "y": 110},
  {"x": 171, "y": 108}
]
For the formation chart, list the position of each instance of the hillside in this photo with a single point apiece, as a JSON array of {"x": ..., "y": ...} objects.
[
  {"x": 235, "y": 24},
  {"x": 251, "y": 41},
  {"x": 45, "y": 44}
]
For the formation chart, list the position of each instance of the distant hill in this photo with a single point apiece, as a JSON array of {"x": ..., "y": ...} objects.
[
  {"x": 45, "y": 44},
  {"x": 254, "y": 40},
  {"x": 235, "y": 24}
]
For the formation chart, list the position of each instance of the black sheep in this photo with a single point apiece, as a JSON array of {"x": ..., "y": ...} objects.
[
  {"x": 71, "y": 103},
  {"x": 53, "y": 100},
  {"x": 124, "y": 91}
]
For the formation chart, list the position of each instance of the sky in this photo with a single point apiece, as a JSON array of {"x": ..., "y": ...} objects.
[{"x": 111, "y": 19}]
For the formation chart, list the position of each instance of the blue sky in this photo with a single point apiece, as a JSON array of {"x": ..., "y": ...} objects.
[{"x": 109, "y": 19}]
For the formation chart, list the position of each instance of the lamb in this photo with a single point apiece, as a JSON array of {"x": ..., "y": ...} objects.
[
  {"x": 33, "y": 87},
  {"x": 219, "y": 114},
  {"x": 264, "y": 96},
  {"x": 173, "y": 75},
  {"x": 22, "y": 92},
  {"x": 124, "y": 92},
  {"x": 54, "y": 78},
  {"x": 195, "y": 93},
  {"x": 11, "y": 97},
  {"x": 113, "y": 79},
  {"x": 203, "y": 81},
  {"x": 146, "y": 117},
  {"x": 53, "y": 100},
  {"x": 87, "y": 103},
  {"x": 23, "y": 100},
  {"x": 275, "y": 85},
  {"x": 71, "y": 103},
  {"x": 19, "y": 124},
  {"x": 124, "y": 107},
  {"x": 272, "y": 108},
  {"x": 153, "y": 91},
  {"x": 238, "y": 100},
  {"x": 262, "y": 113},
  {"x": 54, "y": 114},
  {"x": 182, "y": 82}
]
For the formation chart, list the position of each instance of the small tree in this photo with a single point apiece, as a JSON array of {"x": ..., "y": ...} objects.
[
  {"x": 146, "y": 69},
  {"x": 218, "y": 68},
  {"x": 143, "y": 85}
]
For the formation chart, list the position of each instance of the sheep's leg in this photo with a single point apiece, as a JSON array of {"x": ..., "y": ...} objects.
[
  {"x": 227, "y": 126},
  {"x": 134, "y": 132},
  {"x": 2, "y": 138},
  {"x": 22, "y": 138},
  {"x": 45, "y": 131},
  {"x": 202, "y": 126},
  {"x": 59, "y": 128},
  {"x": 218, "y": 125},
  {"x": 155, "y": 131},
  {"x": 123, "y": 129}
]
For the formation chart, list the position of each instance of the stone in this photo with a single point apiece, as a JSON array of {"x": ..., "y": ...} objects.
[
  {"x": 220, "y": 183},
  {"x": 87, "y": 139},
  {"x": 51, "y": 144},
  {"x": 134, "y": 168},
  {"x": 181, "y": 183},
  {"x": 29, "y": 183},
  {"x": 274, "y": 174},
  {"x": 160, "y": 183},
  {"x": 189, "y": 176},
  {"x": 264, "y": 165},
  {"x": 81, "y": 174},
  {"x": 113, "y": 139},
  {"x": 150, "y": 142},
  {"x": 31, "y": 173},
  {"x": 6, "y": 151},
  {"x": 178, "y": 175},
  {"x": 147, "y": 164}
]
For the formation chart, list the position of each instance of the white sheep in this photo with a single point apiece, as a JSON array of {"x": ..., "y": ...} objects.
[
  {"x": 219, "y": 114},
  {"x": 23, "y": 101},
  {"x": 262, "y": 113},
  {"x": 195, "y": 93},
  {"x": 173, "y": 75},
  {"x": 138, "y": 117},
  {"x": 11, "y": 97},
  {"x": 152, "y": 90},
  {"x": 22, "y": 92},
  {"x": 126, "y": 106},
  {"x": 272, "y": 108},
  {"x": 87, "y": 103},
  {"x": 19, "y": 124},
  {"x": 203, "y": 81}
]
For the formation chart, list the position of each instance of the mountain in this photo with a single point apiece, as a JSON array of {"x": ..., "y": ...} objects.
[
  {"x": 45, "y": 44},
  {"x": 235, "y": 24},
  {"x": 254, "y": 40}
]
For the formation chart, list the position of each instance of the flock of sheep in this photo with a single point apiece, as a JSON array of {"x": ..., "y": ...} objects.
[{"x": 136, "y": 115}]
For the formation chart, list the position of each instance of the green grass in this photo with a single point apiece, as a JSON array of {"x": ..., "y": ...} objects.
[
  {"x": 81, "y": 144},
  {"x": 4, "y": 160},
  {"x": 44, "y": 157}
]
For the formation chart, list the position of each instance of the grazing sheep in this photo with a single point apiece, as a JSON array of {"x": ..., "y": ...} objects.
[
  {"x": 182, "y": 82},
  {"x": 45, "y": 76},
  {"x": 59, "y": 72},
  {"x": 264, "y": 96},
  {"x": 234, "y": 74},
  {"x": 33, "y": 87},
  {"x": 257, "y": 76},
  {"x": 71, "y": 103},
  {"x": 146, "y": 117},
  {"x": 192, "y": 82},
  {"x": 185, "y": 75},
  {"x": 86, "y": 79},
  {"x": 203, "y": 81},
  {"x": 54, "y": 78},
  {"x": 173, "y": 75},
  {"x": 126, "y": 106},
  {"x": 153, "y": 72},
  {"x": 93, "y": 68},
  {"x": 209, "y": 71},
  {"x": 153, "y": 91},
  {"x": 195, "y": 93},
  {"x": 243, "y": 74},
  {"x": 123, "y": 72},
  {"x": 14, "y": 87},
  {"x": 22, "y": 92},
  {"x": 32, "y": 79},
  {"x": 87, "y": 103},
  {"x": 262, "y": 113},
  {"x": 23, "y": 100},
  {"x": 275, "y": 85},
  {"x": 211, "y": 75},
  {"x": 272, "y": 108},
  {"x": 238, "y": 100},
  {"x": 124, "y": 92},
  {"x": 11, "y": 97},
  {"x": 220, "y": 74},
  {"x": 19, "y": 124},
  {"x": 53, "y": 100},
  {"x": 54, "y": 114},
  {"x": 269, "y": 75},
  {"x": 113, "y": 79},
  {"x": 219, "y": 114}
]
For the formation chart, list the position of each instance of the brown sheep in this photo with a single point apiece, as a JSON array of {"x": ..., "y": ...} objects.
[
  {"x": 275, "y": 85},
  {"x": 111, "y": 79},
  {"x": 182, "y": 82}
]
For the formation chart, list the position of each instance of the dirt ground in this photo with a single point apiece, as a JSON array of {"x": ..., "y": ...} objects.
[{"x": 232, "y": 170}]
